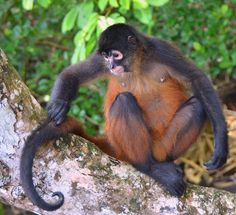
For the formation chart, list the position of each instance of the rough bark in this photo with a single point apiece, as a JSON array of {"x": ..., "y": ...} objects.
[{"x": 92, "y": 182}]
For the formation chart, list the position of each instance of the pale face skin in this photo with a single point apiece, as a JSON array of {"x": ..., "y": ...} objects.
[{"x": 112, "y": 58}]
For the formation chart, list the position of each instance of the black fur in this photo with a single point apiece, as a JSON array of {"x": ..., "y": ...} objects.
[
  {"x": 44, "y": 133},
  {"x": 125, "y": 105},
  {"x": 116, "y": 37},
  {"x": 197, "y": 116},
  {"x": 168, "y": 174},
  {"x": 67, "y": 84},
  {"x": 126, "y": 39},
  {"x": 202, "y": 89}
]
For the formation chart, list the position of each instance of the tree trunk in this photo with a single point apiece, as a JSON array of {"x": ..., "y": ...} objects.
[{"x": 92, "y": 182}]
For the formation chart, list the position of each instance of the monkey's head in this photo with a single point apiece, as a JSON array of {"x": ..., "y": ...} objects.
[{"x": 118, "y": 44}]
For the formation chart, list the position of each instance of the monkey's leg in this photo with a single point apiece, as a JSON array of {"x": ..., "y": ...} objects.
[
  {"x": 182, "y": 132},
  {"x": 127, "y": 131},
  {"x": 131, "y": 140}
]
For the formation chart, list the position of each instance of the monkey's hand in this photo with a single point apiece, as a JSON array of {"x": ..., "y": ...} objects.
[{"x": 57, "y": 110}]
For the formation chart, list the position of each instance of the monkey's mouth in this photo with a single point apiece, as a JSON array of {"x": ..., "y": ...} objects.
[{"x": 118, "y": 70}]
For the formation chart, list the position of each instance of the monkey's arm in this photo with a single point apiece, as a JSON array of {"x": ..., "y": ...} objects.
[
  {"x": 68, "y": 82},
  {"x": 202, "y": 88}
]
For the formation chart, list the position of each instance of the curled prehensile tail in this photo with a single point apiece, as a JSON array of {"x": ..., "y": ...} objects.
[
  {"x": 41, "y": 135},
  {"x": 44, "y": 133}
]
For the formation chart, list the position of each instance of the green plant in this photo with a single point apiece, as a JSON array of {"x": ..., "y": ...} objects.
[
  {"x": 1, "y": 209},
  {"x": 44, "y": 36}
]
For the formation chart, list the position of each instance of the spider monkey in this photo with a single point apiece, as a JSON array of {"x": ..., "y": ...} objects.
[{"x": 151, "y": 118}]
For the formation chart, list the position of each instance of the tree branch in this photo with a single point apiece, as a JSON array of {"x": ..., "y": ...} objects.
[{"x": 92, "y": 182}]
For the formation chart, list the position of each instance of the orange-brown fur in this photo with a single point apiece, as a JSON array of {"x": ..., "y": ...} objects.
[
  {"x": 159, "y": 102},
  {"x": 159, "y": 96}
]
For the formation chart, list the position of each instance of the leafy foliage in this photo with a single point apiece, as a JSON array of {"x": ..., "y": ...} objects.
[
  {"x": 44, "y": 36},
  {"x": 204, "y": 30},
  {"x": 1, "y": 209}
]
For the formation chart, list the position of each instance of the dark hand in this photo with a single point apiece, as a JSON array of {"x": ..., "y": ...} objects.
[{"x": 57, "y": 110}]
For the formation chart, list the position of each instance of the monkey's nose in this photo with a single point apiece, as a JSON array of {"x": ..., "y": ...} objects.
[{"x": 111, "y": 65}]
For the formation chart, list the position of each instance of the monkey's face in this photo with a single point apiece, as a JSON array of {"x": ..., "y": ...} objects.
[
  {"x": 114, "y": 60},
  {"x": 119, "y": 44}
]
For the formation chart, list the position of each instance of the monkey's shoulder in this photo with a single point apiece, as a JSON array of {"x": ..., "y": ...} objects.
[{"x": 159, "y": 73}]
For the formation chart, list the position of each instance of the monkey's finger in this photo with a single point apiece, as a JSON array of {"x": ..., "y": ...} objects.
[
  {"x": 49, "y": 106},
  {"x": 177, "y": 189},
  {"x": 59, "y": 118},
  {"x": 52, "y": 106},
  {"x": 180, "y": 188},
  {"x": 50, "y": 113},
  {"x": 55, "y": 111}
]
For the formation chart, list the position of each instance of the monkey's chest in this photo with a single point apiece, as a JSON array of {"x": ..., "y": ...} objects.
[{"x": 158, "y": 101}]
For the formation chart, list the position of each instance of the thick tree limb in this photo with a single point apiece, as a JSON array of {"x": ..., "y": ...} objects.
[{"x": 92, "y": 182}]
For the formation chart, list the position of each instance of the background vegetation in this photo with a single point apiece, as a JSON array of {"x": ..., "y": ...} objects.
[{"x": 44, "y": 36}]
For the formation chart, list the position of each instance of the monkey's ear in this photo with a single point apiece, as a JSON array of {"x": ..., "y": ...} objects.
[{"x": 132, "y": 40}]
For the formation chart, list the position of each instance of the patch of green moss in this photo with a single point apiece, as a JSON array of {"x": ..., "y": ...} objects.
[{"x": 134, "y": 205}]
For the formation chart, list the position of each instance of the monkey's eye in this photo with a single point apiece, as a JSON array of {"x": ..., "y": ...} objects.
[{"x": 117, "y": 55}]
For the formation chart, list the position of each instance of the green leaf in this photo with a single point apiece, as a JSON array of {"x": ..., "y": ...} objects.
[
  {"x": 1, "y": 209},
  {"x": 141, "y": 4},
  {"x": 117, "y": 18},
  {"x": 157, "y": 3},
  {"x": 83, "y": 89},
  {"x": 44, "y": 3},
  {"x": 125, "y": 4},
  {"x": 91, "y": 45},
  {"x": 86, "y": 33},
  {"x": 69, "y": 20},
  {"x": 85, "y": 11},
  {"x": 144, "y": 15},
  {"x": 197, "y": 46},
  {"x": 92, "y": 24},
  {"x": 113, "y": 3},
  {"x": 79, "y": 36},
  {"x": 79, "y": 53},
  {"x": 225, "y": 64},
  {"x": 100, "y": 28},
  {"x": 224, "y": 9},
  {"x": 28, "y": 4},
  {"x": 102, "y": 4},
  {"x": 233, "y": 56}
]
